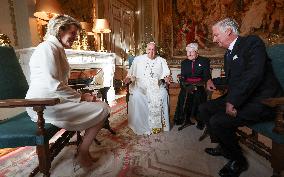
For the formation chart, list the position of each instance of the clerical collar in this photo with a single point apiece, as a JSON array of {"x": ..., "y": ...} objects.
[{"x": 231, "y": 46}]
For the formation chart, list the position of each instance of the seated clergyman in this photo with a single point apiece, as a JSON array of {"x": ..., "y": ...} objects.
[
  {"x": 195, "y": 69},
  {"x": 149, "y": 99}
]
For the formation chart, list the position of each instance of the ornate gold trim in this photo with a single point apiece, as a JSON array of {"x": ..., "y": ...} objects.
[
  {"x": 13, "y": 21},
  {"x": 4, "y": 40}
]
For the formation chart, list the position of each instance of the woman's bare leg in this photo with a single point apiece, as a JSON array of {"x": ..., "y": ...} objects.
[{"x": 84, "y": 156}]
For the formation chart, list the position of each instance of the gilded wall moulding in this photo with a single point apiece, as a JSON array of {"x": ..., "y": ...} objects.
[
  {"x": 13, "y": 21},
  {"x": 4, "y": 40}
]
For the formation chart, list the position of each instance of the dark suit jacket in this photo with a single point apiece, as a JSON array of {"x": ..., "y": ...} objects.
[
  {"x": 249, "y": 74},
  {"x": 201, "y": 68}
]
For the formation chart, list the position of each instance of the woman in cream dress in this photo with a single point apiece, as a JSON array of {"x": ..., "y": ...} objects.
[{"x": 49, "y": 79}]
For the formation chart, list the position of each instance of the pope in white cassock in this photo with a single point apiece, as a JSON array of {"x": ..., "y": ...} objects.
[{"x": 149, "y": 100}]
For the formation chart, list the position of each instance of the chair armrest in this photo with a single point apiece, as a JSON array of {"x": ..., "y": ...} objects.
[
  {"x": 10, "y": 103},
  {"x": 273, "y": 102},
  {"x": 38, "y": 105}
]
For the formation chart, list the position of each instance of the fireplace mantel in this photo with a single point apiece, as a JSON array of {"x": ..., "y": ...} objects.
[{"x": 80, "y": 59}]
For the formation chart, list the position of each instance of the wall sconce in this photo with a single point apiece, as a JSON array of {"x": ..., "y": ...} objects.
[
  {"x": 101, "y": 26},
  {"x": 46, "y": 9}
]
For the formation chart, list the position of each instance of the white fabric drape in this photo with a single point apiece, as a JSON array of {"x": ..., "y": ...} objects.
[{"x": 148, "y": 102}]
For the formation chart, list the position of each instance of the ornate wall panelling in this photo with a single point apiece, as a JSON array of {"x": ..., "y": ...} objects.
[
  {"x": 122, "y": 26},
  {"x": 165, "y": 26}
]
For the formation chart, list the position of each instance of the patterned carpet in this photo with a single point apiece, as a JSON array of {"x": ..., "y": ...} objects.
[{"x": 168, "y": 154}]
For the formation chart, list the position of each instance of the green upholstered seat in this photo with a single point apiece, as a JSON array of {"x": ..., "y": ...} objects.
[
  {"x": 21, "y": 131},
  {"x": 276, "y": 53},
  {"x": 265, "y": 128},
  {"x": 18, "y": 130}
]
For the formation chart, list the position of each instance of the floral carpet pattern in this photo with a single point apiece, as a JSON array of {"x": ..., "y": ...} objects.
[{"x": 167, "y": 154}]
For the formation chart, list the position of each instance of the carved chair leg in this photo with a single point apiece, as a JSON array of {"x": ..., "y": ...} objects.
[
  {"x": 277, "y": 159},
  {"x": 44, "y": 158}
]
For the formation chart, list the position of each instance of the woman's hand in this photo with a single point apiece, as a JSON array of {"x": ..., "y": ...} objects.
[{"x": 88, "y": 97}]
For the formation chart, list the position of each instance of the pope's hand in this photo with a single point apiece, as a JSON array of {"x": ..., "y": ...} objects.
[
  {"x": 168, "y": 79},
  {"x": 126, "y": 80}
]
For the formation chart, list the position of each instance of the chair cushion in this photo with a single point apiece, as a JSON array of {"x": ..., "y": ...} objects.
[
  {"x": 276, "y": 54},
  {"x": 13, "y": 83},
  {"x": 20, "y": 130},
  {"x": 265, "y": 128}
]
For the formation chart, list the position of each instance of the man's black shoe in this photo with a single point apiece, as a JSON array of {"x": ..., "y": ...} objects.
[
  {"x": 217, "y": 151},
  {"x": 200, "y": 125},
  {"x": 233, "y": 168},
  {"x": 186, "y": 124},
  {"x": 178, "y": 122}
]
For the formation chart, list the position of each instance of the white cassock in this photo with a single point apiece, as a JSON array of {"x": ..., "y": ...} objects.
[
  {"x": 149, "y": 100},
  {"x": 49, "y": 79}
]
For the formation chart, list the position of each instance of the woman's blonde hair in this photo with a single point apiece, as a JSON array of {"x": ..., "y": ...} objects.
[{"x": 60, "y": 22}]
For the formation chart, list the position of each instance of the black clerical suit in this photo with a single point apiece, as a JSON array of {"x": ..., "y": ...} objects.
[
  {"x": 199, "y": 68},
  {"x": 249, "y": 78}
]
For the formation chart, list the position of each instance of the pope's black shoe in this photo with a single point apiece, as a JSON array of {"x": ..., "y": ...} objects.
[
  {"x": 234, "y": 168},
  {"x": 217, "y": 151}
]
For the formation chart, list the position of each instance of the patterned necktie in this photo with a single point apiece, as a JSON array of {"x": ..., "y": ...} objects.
[
  {"x": 228, "y": 61},
  {"x": 228, "y": 54}
]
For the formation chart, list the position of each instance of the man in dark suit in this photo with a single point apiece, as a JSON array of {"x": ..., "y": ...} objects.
[
  {"x": 193, "y": 69},
  {"x": 249, "y": 79}
]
